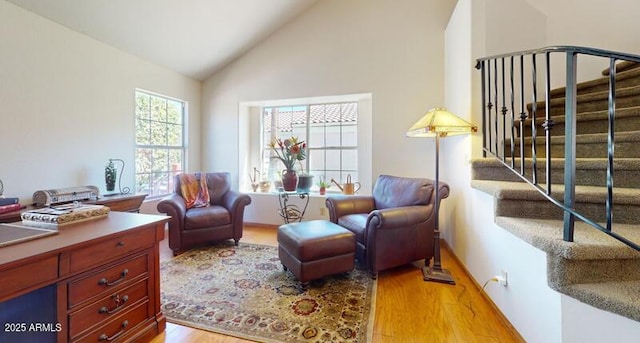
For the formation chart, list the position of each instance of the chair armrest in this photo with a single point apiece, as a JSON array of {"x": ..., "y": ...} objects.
[
  {"x": 391, "y": 218},
  {"x": 173, "y": 205},
  {"x": 342, "y": 205},
  {"x": 235, "y": 202}
]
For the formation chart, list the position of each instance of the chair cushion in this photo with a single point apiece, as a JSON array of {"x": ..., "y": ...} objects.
[
  {"x": 355, "y": 223},
  {"x": 200, "y": 217},
  {"x": 392, "y": 191}
]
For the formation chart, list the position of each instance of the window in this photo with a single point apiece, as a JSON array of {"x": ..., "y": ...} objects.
[
  {"x": 160, "y": 147},
  {"x": 329, "y": 130}
]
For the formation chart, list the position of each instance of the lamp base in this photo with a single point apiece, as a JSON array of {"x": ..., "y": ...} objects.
[{"x": 437, "y": 275}]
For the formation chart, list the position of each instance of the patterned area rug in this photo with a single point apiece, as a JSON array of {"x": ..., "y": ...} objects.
[{"x": 244, "y": 292}]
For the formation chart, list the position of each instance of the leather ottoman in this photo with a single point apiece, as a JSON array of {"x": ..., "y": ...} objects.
[{"x": 315, "y": 249}]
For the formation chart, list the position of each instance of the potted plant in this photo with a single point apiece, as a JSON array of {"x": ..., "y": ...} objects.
[{"x": 323, "y": 185}]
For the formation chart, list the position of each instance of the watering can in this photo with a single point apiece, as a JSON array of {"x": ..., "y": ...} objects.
[{"x": 349, "y": 188}]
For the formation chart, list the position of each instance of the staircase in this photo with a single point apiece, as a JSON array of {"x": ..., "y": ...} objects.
[{"x": 595, "y": 269}]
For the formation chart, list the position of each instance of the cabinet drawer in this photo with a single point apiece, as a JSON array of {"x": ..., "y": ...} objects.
[
  {"x": 107, "y": 280},
  {"x": 112, "y": 249},
  {"x": 35, "y": 273},
  {"x": 107, "y": 307},
  {"x": 119, "y": 327}
]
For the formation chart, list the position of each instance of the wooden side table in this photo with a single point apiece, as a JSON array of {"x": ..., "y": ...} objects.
[{"x": 120, "y": 203}]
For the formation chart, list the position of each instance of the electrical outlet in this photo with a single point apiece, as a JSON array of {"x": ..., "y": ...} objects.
[{"x": 503, "y": 278}]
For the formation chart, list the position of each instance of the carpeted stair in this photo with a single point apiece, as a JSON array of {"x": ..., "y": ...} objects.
[{"x": 595, "y": 269}]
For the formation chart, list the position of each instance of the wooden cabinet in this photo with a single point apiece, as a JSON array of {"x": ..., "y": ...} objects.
[
  {"x": 121, "y": 202},
  {"x": 106, "y": 274}
]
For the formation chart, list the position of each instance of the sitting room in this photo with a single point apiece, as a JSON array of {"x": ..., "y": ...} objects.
[{"x": 282, "y": 171}]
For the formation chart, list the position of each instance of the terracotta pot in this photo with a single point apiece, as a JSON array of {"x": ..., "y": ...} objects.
[
  {"x": 289, "y": 180},
  {"x": 323, "y": 190}
]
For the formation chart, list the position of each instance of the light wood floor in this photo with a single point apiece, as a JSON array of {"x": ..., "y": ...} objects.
[{"x": 408, "y": 309}]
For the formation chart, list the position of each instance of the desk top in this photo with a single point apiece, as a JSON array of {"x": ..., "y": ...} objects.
[{"x": 78, "y": 234}]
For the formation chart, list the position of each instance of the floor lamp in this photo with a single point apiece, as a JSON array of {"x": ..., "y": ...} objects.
[{"x": 438, "y": 123}]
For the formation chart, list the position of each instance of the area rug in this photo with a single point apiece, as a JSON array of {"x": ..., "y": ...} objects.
[{"x": 244, "y": 292}]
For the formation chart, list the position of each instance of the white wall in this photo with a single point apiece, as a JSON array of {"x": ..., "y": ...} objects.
[
  {"x": 609, "y": 25},
  {"x": 599, "y": 24},
  {"x": 468, "y": 215},
  {"x": 67, "y": 105},
  {"x": 394, "y": 52}
]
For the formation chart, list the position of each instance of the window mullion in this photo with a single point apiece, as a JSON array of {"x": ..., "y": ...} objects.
[{"x": 308, "y": 134}]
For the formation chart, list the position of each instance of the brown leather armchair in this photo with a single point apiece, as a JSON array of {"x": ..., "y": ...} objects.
[
  {"x": 395, "y": 225},
  {"x": 223, "y": 219}
]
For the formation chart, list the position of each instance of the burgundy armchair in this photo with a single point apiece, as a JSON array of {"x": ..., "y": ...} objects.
[
  {"x": 394, "y": 226},
  {"x": 222, "y": 219}
]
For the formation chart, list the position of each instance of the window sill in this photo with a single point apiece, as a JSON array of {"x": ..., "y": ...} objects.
[{"x": 274, "y": 193}]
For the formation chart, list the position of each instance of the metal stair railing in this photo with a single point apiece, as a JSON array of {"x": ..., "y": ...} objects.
[{"x": 498, "y": 113}]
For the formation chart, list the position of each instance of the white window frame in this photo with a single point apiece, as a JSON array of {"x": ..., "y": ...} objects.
[
  {"x": 250, "y": 137},
  {"x": 165, "y": 176},
  {"x": 344, "y": 120}
]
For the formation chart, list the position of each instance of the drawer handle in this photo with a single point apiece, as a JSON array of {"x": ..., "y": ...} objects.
[
  {"x": 120, "y": 244},
  {"x": 106, "y": 282},
  {"x": 119, "y": 305},
  {"x": 104, "y": 336}
]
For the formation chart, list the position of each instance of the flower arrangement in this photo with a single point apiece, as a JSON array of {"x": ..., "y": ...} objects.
[{"x": 289, "y": 151}]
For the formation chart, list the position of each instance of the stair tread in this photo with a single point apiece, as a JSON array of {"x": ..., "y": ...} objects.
[
  {"x": 622, "y": 67},
  {"x": 616, "y": 296},
  {"x": 620, "y": 75},
  {"x": 587, "y": 163},
  {"x": 588, "y": 97},
  {"x": 590, "y": 116},
  {"x": 588, "y": 244},
  {"x": 624, "y": 136},
  {"x": 524, "y": 191}
]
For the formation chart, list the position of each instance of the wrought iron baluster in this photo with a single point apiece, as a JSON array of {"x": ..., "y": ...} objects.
[
  {"x": 484, "y": 109},
  {"x": 534, "y": 128},
  {"x": 523, "y": 117},
  {"x": 611, "y": 141},
  {"x": 495, "y": 84},
  {"x": 513, "y": 129},
  {"x": 481, "y": 66},
  {"x": 570, "y": 146},
  {"x": 489, "y": 105},
  {"x": 504, "y": 113},
  {"x": 548, "y": 122}
]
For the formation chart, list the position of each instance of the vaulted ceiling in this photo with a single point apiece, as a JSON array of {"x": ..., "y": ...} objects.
[{"x": 192, "y": 37}]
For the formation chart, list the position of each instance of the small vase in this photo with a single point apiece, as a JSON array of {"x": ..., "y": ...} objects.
[
  {"x": 323, "y": 190},
  {"x": 289, "y": 180},
  {"x": 110, "y": 176}
]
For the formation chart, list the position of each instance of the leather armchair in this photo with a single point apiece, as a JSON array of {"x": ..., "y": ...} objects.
[
  {"x": 395, "y": 225},
  {"x": 223, "y": 219}
]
